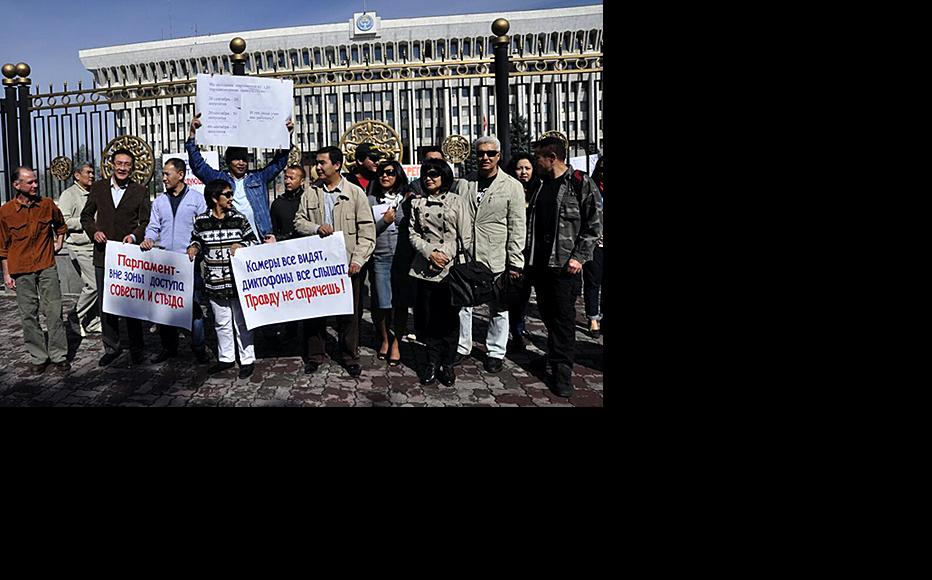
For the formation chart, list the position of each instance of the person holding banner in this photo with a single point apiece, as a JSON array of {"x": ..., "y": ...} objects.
[
  {"x": 440, "y": 220},
  {"x": 251, "y": 194},
  {"x": 337, "y": 205},
  {"x": 32, "y": 231},
  {"x": 387, "y": 195},
  {"x": 171, "y": 221},
  {"x": 117, "y": 209},
  {"x": 283, "y": 211},
  {"x": 217, "y": 234}
]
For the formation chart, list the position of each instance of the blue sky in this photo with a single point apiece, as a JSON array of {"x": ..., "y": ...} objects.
[{"x": 48, "y": 34}]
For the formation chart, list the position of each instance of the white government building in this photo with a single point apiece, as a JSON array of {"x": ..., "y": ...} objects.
[{"x": 428, "y": 78}]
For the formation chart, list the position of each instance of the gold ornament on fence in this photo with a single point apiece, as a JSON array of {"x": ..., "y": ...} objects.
[
  {"x": 557, "y": 134},
  {"x": 382, "y": 136},
  {"x": 145, "y": 160},
  {"x": 294, "y": 156},
  {"x": 61, "y": 168},
  {"x": 455, "y": 148}
]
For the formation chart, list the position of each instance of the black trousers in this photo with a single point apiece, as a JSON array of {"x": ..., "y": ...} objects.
[
  {"x": 592, "y": 284},
  {"x": 110, "y": 323},
  {"x": 556, "y": 299},
  {"x": 437, "y": 321},
  {"x": 315, "y": 330}
]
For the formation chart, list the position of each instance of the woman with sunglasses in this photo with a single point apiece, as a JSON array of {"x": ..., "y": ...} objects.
[
  {"x": 440, "y": 225},
  {"x": 387, "y": 189},
  {"x": 521, "y": 167}
]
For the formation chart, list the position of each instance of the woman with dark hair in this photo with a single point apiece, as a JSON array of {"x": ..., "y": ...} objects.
[
  {"x": 440, "y": 226},
  {"x": 521, "y": 167},
  {"x": 387, "y": 189},
  {"x": 592, "y": 270}
]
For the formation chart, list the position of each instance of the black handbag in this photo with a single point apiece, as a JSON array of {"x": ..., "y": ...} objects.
[{"x": 471, "y": 283}]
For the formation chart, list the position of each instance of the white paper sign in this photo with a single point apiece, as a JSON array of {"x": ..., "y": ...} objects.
[
  {"x": 156, "y": 285},
  {"x": 211, "y": 157},
  {"x": 378, "y": 211},
  {"x": 244, "y": 111},
  {"x": 580, "y": 163},
  {"x": 293, "y": 280}
]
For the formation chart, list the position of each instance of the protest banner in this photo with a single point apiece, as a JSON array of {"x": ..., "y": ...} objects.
[
  {"x": 293, "y": 280},
  {"x": 156, "y": 285},
  {"x": 211, "y": 157},
  {"x": 244, "y": 111}
]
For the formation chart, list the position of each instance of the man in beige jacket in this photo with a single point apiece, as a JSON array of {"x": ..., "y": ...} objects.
[
  {"x": 496, "y": 205},
  {"x": 80, "y": 247},
  {"x": 337, "y": 205}
]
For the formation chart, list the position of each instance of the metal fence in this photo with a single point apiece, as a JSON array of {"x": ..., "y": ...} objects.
[{"x": 77, "y": 124}]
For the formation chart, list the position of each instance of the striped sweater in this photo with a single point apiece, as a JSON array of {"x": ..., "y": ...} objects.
[{"x": 213, "y": 239}]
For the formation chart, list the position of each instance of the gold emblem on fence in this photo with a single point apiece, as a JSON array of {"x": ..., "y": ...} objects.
[
  {"x": 294, "y": 156},
  {"x": 455, "y": 148},
  {"x": 145, "y": 160},
  {"x": 383, "y": 136},
  {"x": 61, "y": 168},
  {"x": 559, "y": 135}
]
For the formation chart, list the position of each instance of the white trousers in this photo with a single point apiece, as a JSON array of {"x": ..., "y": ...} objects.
[
  {"x": 497, "y": 339},
  {"x": 228, "y": 316}
]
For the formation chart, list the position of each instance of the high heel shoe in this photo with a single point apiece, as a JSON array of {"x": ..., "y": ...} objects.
[{"x": 394, "y": 362}]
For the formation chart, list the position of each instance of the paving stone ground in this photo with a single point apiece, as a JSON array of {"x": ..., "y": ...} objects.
[{"x": 279, "y": 378}]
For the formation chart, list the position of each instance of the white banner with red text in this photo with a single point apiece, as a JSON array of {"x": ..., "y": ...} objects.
[
  {"x": 293, "y": 280},
  {"x": 156, "y": 285}
]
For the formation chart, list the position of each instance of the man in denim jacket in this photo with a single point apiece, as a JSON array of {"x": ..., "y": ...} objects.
[{"x": 250, "y": 192}]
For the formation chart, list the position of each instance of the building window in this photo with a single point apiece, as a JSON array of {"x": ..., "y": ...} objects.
[
  {"x": 378, "y": 52},
  {"x": 355, "y": 53},
  {"x": 317, "y": 56},
  {"x": 342, "y": 55},
  {"x": 454, "y": 48},
  {"x": 467, "y": 47}
]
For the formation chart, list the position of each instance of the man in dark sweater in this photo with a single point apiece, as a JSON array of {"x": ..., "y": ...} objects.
[
  {"x": 285, "y": 206},
  {"x": 283, "y": 209}
]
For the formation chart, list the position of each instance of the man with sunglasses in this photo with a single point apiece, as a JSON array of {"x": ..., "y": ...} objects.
[{"x": 496, "y": 205}]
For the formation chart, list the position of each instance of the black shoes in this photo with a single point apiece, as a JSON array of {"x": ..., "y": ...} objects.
[
  {"x": 429, "y": 374},
  {"x": 108, "y": 358},
  {"x": 517, "y": 344},
  {"x": 563, "y": 381},
  {"x": 220, "y": 366},
  {"x": 201, "y": 356},
  {"x": 354, "y": 370},
  {"x": 447, "y": 376},
  {"x": 62, "y": 367},
  {"x": 311, "y": 367},
  {"x": 245, "y": 371},
  {"x": 458, "y": 358},
  {"x": 493, "y": 365},
  {"x": 163, "y": 356}
]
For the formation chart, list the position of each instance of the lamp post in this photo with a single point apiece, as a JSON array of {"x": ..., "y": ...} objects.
[{"x": 502, "y": 110}]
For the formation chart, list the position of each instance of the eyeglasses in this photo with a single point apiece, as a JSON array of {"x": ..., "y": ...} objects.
[
  {"x": 486, "y": 153},
  {"x": 388, "y": 172},
  {"x": 433, "y": 174},
  {"x": 228, "y": 193}
]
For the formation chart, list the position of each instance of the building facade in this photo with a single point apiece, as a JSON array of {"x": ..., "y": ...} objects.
[{"x": 428, "y": 78}]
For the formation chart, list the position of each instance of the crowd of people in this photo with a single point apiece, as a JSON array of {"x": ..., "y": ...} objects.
[{"x": 535, "y": 223}]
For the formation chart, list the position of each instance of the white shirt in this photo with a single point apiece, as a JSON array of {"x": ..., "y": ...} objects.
[
  {"x": 241, "y": 203},
  {"x": 117, "y": 194}
]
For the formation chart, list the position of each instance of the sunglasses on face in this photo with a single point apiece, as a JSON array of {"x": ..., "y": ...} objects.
[
  {"x": 388, "y": 172},
  {"x": 432, "y": 174},
  {"x": 486, "y": 153}
]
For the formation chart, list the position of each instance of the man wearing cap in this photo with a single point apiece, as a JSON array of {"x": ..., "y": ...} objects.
[
  {"x": 367, "y": 162},
  {"x": 250, "y": 193}
]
